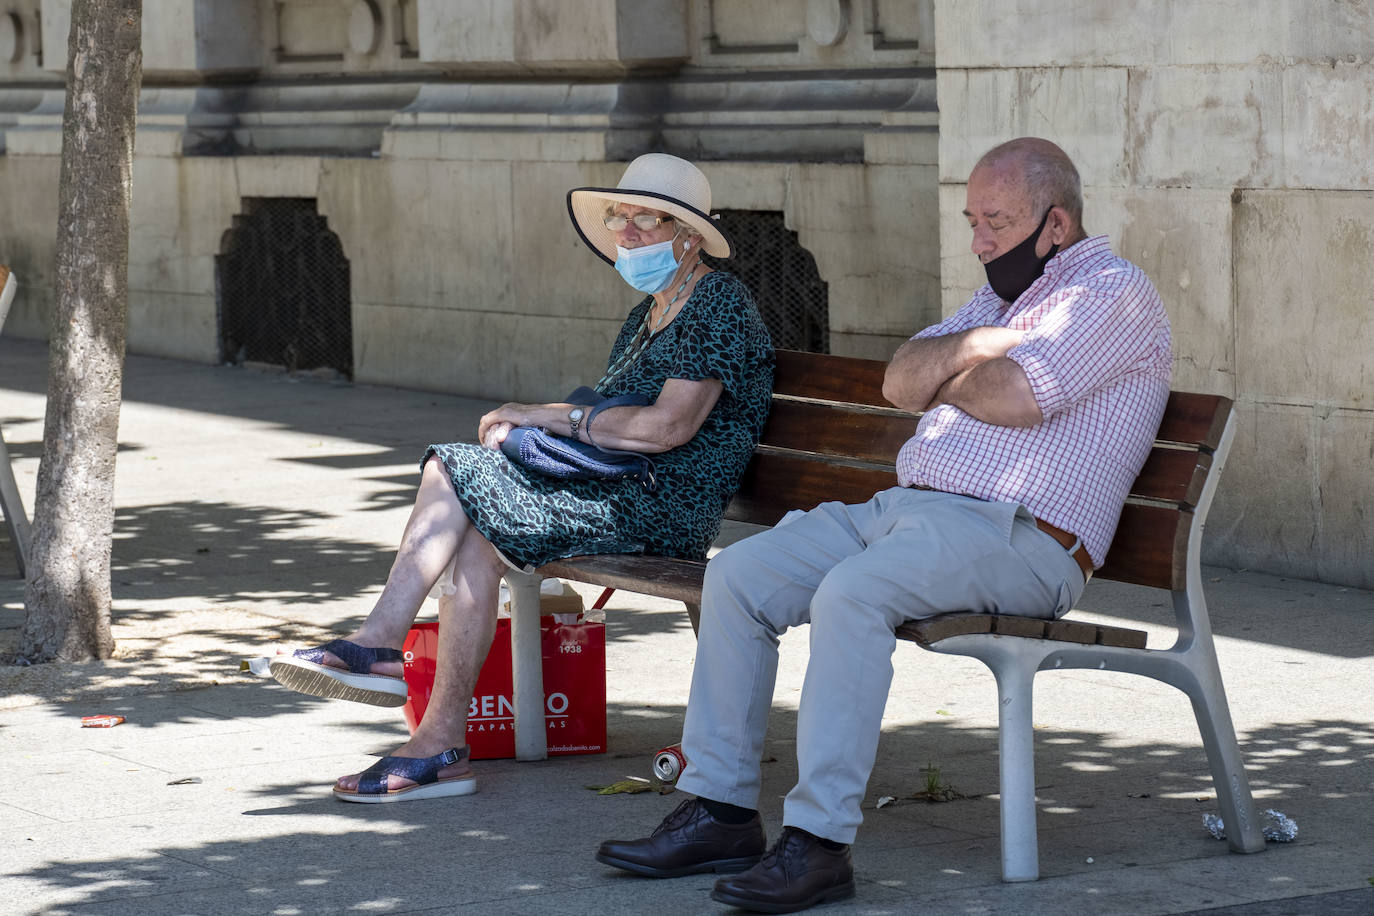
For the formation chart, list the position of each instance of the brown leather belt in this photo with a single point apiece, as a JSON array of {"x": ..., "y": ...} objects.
[{"x": 1066, "y": 540}]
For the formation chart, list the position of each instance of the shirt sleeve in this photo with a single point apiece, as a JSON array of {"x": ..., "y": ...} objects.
[
  {"x": 1097, "y": 332},
  {"x": 977, "y": 312}
]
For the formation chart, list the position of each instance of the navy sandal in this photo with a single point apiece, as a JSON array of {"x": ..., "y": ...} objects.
[
  {"x": 423, "y": 771},
  {"x": 305, "y": 671}
]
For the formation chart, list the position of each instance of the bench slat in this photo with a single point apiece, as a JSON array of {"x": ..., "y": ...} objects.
[
  {"x": 645, "y": 574},
  {"x": 843, "y": 379},
  {"x": 932, "y": 630},
  {"x": 1150, "y": 548},
  {"x": 1170, "y": 474},
  {"x": 1194, "y": 419},
  {"x": 775, "y": 483},
  {"x": 828, "y": 430},
  {"x": 1173, "y": 475}
]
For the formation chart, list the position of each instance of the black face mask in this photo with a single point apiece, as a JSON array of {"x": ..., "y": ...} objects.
[{"x": 1012, "y": 273}]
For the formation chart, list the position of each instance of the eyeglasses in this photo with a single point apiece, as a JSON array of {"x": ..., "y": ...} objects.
[{"x": 642, "y": 221}]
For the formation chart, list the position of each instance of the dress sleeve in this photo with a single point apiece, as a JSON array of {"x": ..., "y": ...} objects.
[{"x": 721, "y": 330}]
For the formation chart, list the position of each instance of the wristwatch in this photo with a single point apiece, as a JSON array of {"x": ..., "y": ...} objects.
[{"x": 574, "y": 418}]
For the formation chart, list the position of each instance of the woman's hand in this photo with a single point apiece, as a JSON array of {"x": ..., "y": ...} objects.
[
  {"x": 493, "y": 427},
  {"x": 496, "y": 435}
]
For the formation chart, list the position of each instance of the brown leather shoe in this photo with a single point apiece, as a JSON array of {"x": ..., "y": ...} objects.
[
  {"x": 798, "y": 872},
  {"x": 689, "y": 841}
]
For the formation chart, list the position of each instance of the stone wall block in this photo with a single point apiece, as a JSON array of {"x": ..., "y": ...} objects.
[
  {"x": 506, "y": 34},
  {"x": 448, "y": 350},
  {"x": 466, "y": 30},
  {"x": 1345, "y": 443},
  {"x": 743, "y": 23},
  {"x": 748, "y": 185},
  {"x": 423, "y": 234},
  {"x": 650, "y": 29},
  {"x": 1303, "y": 275},
  {"x": 873, "y": 231},
  {"x": 1328, "y": 116},
  {"x": 1265, "y": 516},
  {"x": 179, "y": 36},
  {"x": 1208, "y": 127},
  {"x": 521, "y": 145},
  {"x": 961, "y": 273},
  {"x": 996, "y": 33},
  {"x": 28, "y": 228},
  {"x": 175, "y": 325},
  {"x": 1182, "y": 240},
  {"x": 277, "y": 176},
  {"x": 552, "y": 30},
  {"x": 555, "y": 274},
  {"x": 1083, "y": 110},
  {"x": 181, "y": 210}
]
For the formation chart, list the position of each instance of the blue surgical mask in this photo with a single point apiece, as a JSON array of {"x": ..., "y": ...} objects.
[{"x": 648, "y": 269}]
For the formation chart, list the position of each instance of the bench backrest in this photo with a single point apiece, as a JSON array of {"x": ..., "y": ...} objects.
[{"x": 832, "y": 436}]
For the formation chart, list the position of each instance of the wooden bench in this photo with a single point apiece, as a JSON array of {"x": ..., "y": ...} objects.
[{"x": 832, "y": 436}]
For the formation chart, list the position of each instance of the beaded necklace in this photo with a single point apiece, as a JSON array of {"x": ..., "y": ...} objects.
[{"x": 644, "y": 334}]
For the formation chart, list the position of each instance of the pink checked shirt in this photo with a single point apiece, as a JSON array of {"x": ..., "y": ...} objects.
[{"x": 1098, "y": 359}]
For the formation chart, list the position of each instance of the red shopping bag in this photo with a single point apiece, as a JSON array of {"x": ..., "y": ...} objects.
[{"x": 574, "y": 661}]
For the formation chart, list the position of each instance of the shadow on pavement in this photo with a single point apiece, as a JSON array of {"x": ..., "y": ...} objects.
[
  {"x": 524, "y": 842},
  {"x": 221, "y": 551}
]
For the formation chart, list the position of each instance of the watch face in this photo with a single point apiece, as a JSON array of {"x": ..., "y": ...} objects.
[{"x": 575, "y": 413}]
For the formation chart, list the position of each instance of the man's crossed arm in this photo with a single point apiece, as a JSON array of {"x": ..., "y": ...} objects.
[{"x": 969, "y": 370}]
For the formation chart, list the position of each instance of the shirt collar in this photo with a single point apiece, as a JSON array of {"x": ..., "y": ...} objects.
[
  {"x": 1058, "y": 268},
  {"x": 1078, "y": 253}
]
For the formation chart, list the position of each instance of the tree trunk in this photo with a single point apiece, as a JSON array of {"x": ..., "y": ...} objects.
[{"x": 67, "y": 595}]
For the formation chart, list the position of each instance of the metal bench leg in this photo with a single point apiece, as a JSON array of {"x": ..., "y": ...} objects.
[
  {"x": 527, "y": 669},
  {"x": 12, "y": 507},
  {"x": 694, "y": 615},
  {"x": 1243, "y": 831},
  {"x": 1014, "y": 667},
  {"x": 1213, "y": 713}
]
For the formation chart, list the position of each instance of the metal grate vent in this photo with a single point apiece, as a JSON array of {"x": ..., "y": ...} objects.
[
  {"x": 792, "y": 297},
  {"x": 282, "y": 284}
]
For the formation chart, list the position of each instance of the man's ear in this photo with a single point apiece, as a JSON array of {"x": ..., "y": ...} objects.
[{"x": 1060, "y": 225}]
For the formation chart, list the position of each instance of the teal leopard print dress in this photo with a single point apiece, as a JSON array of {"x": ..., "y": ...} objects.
[{"x": 532, "y": 519}]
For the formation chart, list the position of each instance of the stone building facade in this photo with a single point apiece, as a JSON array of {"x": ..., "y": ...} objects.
[{"x": 420, "y": 150}]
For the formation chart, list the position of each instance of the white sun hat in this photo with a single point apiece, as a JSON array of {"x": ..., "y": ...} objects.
[{"x": 657, "y": 181}]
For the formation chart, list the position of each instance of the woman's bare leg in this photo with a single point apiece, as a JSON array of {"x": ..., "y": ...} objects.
[
  {"x": 436, "y": 528},
  {"x": 467, "y": 621}
]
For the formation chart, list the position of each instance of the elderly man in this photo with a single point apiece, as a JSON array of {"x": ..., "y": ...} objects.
[{"x": 1041, "y": 398}]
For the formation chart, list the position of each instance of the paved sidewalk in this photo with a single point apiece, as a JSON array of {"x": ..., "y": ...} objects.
[{"x": 253, "y": 508}]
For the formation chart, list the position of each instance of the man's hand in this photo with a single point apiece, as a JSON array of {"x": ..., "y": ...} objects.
[{"x": 920, "y": 369}]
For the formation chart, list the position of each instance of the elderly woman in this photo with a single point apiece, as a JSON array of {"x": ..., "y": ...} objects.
[{"x": 694, "y": 347}]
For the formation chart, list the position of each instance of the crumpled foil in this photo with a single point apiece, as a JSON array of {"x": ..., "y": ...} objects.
[
  {"x": 259, "y": 666},
  {"x": 1277, "y": 827}
]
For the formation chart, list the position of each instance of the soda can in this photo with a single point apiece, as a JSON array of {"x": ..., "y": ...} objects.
[
  {"x": 100, "y": 721},
  {"x": 668, "y": 764}
]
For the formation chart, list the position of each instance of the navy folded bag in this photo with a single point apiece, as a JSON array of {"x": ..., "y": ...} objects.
[{"x": 539, "y": 450}]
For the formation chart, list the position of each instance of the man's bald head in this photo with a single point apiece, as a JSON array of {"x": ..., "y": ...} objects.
[{"x": 1044, "y": 172}]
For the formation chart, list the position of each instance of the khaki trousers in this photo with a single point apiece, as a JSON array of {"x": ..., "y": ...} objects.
[{"x": 855, "y": 573}]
